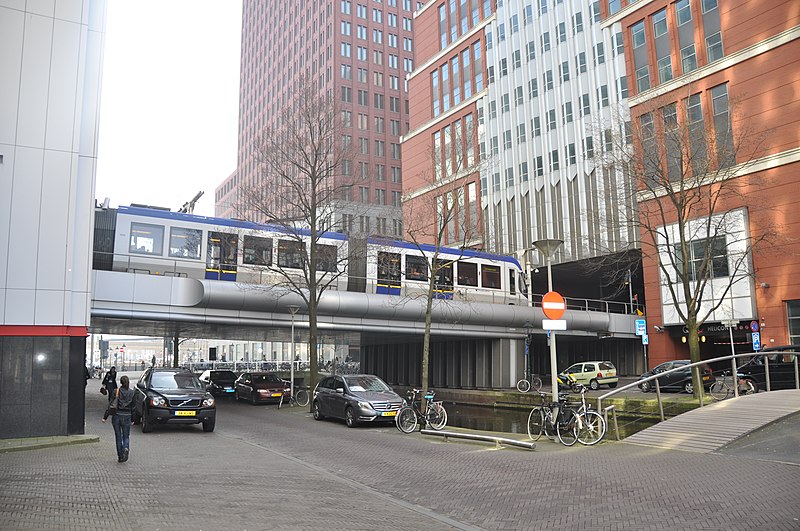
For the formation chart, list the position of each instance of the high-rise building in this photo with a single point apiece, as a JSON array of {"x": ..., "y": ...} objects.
[
  {"x": 357, "y": 51},
  {"x": 51, "y": 57},
  {"x": 727, "y": 72},
  {"x": 537, "y": 91}
]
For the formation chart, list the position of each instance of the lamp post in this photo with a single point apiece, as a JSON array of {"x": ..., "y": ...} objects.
[
  {"x": 547, "y": 248},
  {"x": 293, "y": 308}
]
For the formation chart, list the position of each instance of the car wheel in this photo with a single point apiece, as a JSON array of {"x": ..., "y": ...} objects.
[
  {"x": 688, "y": 387},
  {"x": 350, "y": 418},
  {"x": 147, "y": 425},
  {"x": 316, "y": 413},
  {"x": 593, "y": 385},
  {"x": 612, "y": 385},
  {"x": 208, "y": 425},
  {"x": 645, "y": 387}
]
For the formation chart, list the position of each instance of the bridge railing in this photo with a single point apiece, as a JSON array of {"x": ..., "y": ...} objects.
[{"x": 695, "y": 367}]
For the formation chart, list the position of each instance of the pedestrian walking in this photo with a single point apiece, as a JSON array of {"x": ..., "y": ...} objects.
[
  {"x": 120, "y": 410},
  {"x": 110, "y": 383}
]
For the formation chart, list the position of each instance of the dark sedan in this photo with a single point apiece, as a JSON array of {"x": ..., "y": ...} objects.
[
  {"x": 680, "y": 380},
  {"x": 220, "y": 382},
  {"x": 781, "y": 370},
  {"x": 356, "y": 398},
  {"x": 259, "y": 387},
  {"x": 172, "y": 396}
]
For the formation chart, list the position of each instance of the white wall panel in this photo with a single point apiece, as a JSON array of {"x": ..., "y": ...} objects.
[
  {"x": 14, "y": 4},
  {"x": 76, "y": 310},
  {"x": 90, "y": 96},
  {"x": 49, "y": 308},
  {"x": 63, "y": 85},
  {"x": 22, "y": 242},
  {"x": 46, "y": 8},
  {"x": 69, "y": 10},
  {"x": 11, "y": 27},
  {"x": 2, "y": 305},
  {"x": 35, "y": 81},
  {"x": 19, "y": 306},
  {"x": 53, "y": 230},
  {"x": 6, "y": 171}
]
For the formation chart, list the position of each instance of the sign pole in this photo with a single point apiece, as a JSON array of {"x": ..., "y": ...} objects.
[{"x": 547, "y": 248}]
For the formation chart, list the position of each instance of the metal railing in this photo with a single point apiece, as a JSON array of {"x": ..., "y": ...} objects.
[
  {"x": 497, "y": 440},
  {"x": 695, "y": 367}
]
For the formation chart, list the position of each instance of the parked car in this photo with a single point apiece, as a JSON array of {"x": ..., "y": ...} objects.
[
  {"x": 260, "y": 387},
  {"x": 781, "y": 370},
  {"x": 679, "y": 380},
  {"x": 172, "y": 396},
  {"x": 356, "y": 398},
  {"x": 593, "y": 373},
  {"x": 220, "y": 382}
]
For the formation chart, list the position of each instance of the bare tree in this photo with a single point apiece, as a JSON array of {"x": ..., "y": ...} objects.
[
  {"x": 437, "y": 218},
  {"x": 306, "y": 177},
  {"x": 689, "y": 178}
]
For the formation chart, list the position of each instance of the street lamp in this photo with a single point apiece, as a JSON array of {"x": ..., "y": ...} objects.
[
  {"x": 548, "y": 248},
  {"x": 293, "y": 308}
]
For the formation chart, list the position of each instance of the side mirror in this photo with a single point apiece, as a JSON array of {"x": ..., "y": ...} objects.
[
  {"x": 141, "y": 386},
  {"x": 208, "y": 388},
  {"x": 340, "y": 390}
]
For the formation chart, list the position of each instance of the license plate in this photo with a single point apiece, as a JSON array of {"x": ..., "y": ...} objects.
[
  {"x": 228, "y": 390},
  {"x": 389, "y": 414},
  {"x": 185, "y": 413},
  {"x": 276, "y": 395}
]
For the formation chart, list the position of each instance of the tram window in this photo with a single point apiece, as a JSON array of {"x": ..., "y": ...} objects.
[
  {"x": 467, "y": 274},
  {"x": 416, "y": 268},
  {"x": 222, "y": 250},
  {"x": 512, "y": 282},
  {"x": 184, "y": 243},
  {"x": 389, "y": 267},
  {"x": 147, "y": 239},
  {"x": 326, "y": 258},
  {"x": 291, "y": 254},
  {"x": 490, "y": 276},
  {"x": 444, "y": 274},
  {"x": 257, "y": 251}
]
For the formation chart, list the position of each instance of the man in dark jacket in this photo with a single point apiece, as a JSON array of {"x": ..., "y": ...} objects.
[{"x": 110, "y": 383}]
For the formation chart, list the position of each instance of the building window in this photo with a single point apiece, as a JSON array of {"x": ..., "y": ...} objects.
[
  {"x": 146, "y": 239},
  {"x": 599, "y": 54},
  {"x": 664, "y": 69},
  {"x": 793, "y": 314},
  {"x": 688, "y": 59},
  {"x": 710, "y": 5},
  {"x": 709, "y": 255},
  {"x": 642, "y": 79},
  {"x": 660, "y": 23},
  {"x": 580, "y": 61},
  {"x": 683, "y": 12},
  {"x": 714, "y": 47},
  {"x": 637, "y": 34}
]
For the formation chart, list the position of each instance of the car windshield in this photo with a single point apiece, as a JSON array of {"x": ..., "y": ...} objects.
[
  {"x": 175, "y": 380},
  {"x": 266, "y": 378},
  {"x": 366, "y": 383},
  {"x": 223, "y": 375}
]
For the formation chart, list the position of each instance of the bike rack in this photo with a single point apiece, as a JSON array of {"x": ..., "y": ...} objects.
[
  {"x": 613, "y": 411},
  {"x": 530, "y": 445}
]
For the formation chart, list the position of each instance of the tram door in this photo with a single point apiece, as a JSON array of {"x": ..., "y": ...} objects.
[
  {"x": 388, "y": 274},
  {"x": 221, "y": 257}
]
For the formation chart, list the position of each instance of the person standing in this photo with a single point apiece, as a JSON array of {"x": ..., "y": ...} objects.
[
  {"x": 110, "y": 383},
  {"x": 120, "y": 410}
]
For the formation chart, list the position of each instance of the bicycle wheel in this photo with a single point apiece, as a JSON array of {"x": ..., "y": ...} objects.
[
  {"x": 592, "y": 428},
  {"x": 406, "y": 420},
  {"x": 437, "y": 416},
  {"x": 523, "y": 386},
  {"x": 536, "y": 383},
  {"x": 301, "y": 397},
  {"x": 747, "y": 388},
  {"x": 567, "y": 428},
  {"x": 719, "y": 389},
  {"x": 535, "y": 423}
]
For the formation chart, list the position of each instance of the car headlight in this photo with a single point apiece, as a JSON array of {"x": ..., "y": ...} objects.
[
  {"x": 208, "y": 402},
  {"x": 365, "y": 405},
  {"x": 158, "y": 401}
]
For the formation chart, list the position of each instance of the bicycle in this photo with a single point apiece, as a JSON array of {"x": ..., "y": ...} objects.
[
  {"x": 409, "y": 415},
  {"x": 554, "y": 420},
  {"x": 530, "y": 381},
  {"x": 299, "y": 398},
  {"x": 592, "y": 425},
  {"x": 722, "y": 388}
]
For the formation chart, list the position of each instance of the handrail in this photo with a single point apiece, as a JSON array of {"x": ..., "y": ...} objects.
[
  {"x": 530, "y": 445},
  {"x": 731, "y": 357}
]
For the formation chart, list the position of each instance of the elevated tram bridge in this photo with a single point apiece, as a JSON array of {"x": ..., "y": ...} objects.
[{"x": 474, "y": 345}]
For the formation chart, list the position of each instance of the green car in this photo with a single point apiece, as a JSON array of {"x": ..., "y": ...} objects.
[{"x": 594, "y": 373}]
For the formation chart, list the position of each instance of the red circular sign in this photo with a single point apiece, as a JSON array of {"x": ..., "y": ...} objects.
[{"x": 553, "y": 305}]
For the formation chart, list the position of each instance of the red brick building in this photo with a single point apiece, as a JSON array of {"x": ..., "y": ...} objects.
[{"x": 735, "y": 61}]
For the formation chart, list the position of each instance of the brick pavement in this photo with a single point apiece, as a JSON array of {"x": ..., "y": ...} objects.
[{"x": 265, "y": 468}]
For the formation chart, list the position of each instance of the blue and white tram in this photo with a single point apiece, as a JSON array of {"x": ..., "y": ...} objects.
[{"x": 160, "y": 242}]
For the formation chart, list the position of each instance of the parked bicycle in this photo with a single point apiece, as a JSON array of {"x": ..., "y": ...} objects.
[
  {"x": 592, "y": 425},
  {"x": 722, "y": 388},
  {"x": 530, "y": 381},
  {"x": 434, "y": 416},
  {"x": 299, "y": 398},
  {"x": 554, "y": 420}
]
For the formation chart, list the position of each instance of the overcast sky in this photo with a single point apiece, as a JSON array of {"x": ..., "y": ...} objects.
[{"x": 169, "y": 104}]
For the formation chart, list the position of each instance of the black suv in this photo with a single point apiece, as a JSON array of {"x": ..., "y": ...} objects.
[
  {"x": 173, "y": 396},
  {"x": 781, "y": 368}
]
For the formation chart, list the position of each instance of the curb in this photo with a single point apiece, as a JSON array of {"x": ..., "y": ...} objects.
[{"x": 36, "y": 443}]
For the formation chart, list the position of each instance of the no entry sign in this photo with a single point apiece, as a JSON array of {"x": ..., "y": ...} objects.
[{"x": 553, "y": 305}]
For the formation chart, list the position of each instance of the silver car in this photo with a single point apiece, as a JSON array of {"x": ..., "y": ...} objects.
[{"x": 356, "y": 398}]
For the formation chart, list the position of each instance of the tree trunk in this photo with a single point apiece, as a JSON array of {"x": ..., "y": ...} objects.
[
  {"x": 426, "y": 341},
  {"x": 694, "y": 354}
]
